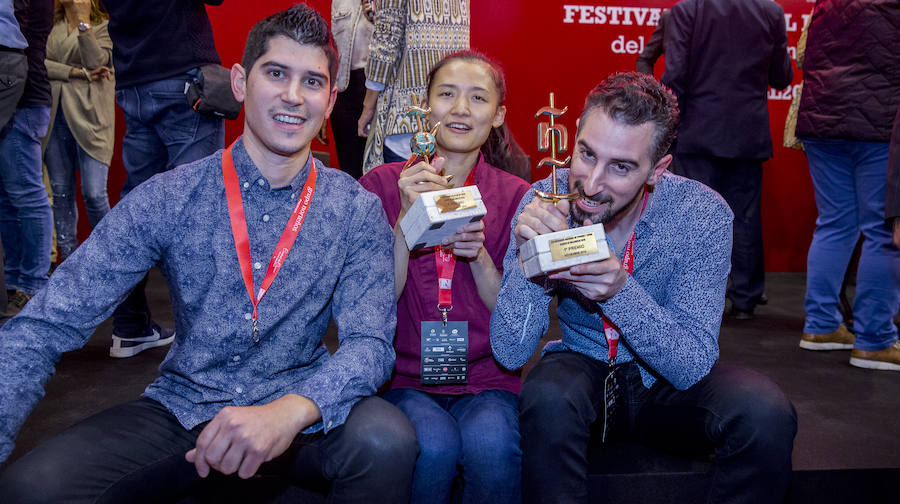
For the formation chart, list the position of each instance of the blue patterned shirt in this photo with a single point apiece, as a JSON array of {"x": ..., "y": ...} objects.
[
  {"x": 669, "y": 310},
  {"x": 340, "y": 266}
]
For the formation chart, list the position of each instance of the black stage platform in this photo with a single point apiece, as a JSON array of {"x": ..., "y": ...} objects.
[{"x": 847, "y": 448}]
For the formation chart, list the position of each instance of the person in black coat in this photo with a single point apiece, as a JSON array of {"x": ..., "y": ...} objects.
[{"x": 721, "y": 56}]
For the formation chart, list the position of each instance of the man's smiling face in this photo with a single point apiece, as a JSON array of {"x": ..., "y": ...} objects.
[{"x": 287, "y": 94}]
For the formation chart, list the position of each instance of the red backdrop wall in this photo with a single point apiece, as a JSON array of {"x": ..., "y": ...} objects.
[{"x": 567, "y": 47}]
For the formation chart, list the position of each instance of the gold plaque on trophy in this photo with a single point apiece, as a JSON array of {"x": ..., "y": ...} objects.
[
  {"x": 573, "y": 246},
  {"x": 454, "y": 201},
  {"x": 563, "y": 249},
  {"x": 436, "y": 215}
]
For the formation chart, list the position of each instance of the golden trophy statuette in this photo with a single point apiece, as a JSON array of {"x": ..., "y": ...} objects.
[
  {"x": 555, "y": 138},
  {"x": 423, "y": 143}
]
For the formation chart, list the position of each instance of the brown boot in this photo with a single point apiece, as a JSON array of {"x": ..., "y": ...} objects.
[
  {"x": 887, "y": 359},
  {"x": 841, "y": 339}
]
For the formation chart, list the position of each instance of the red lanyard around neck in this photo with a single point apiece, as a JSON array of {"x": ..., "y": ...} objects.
[
  {"x": 445, "y": 262},
  {"x": 242, "y": 239},
  {"x": 609, "y": 330}
]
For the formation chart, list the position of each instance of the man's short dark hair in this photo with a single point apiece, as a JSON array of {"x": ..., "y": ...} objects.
[
  {"x": 634, "y": 98},
  {"x": 302, "y": 24}
]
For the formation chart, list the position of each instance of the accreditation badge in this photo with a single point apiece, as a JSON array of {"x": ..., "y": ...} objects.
[{"x": 445, "y": 352}]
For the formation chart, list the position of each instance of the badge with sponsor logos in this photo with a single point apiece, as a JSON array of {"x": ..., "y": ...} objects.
[{"x": 445, "y": 352}]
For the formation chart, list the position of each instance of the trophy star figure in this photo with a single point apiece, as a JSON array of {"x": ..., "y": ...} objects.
[
  {"x": 555, "y": 138},
  {"x": 423, "y": 144}
]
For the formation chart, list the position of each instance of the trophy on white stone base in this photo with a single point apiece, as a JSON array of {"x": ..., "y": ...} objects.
[
  {"x": 436, "y": 215},
  {"x": 563, "y": 249}
]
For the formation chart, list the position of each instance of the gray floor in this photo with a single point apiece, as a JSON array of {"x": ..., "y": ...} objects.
[{"x": 849, "y": 417}]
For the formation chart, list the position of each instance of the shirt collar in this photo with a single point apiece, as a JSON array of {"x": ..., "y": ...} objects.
[
  {"x": 649, "y": 218},
  {"x": 248, "y": 172}
]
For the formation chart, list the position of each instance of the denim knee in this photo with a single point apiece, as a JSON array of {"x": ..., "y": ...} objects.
[
  {"x": 491, "y": 453},
  {"x": 437, "y": 449},
  {"x": 97, "y": 204},
  {"x": 490, "y": 430}
]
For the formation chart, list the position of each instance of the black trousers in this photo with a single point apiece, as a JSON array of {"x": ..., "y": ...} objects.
[
  {"x": 344, "y": 124},
  {"x": 134, "y": 453},
  {"x": 740, "y": 417},
  {"x": 739, "y": 181}
]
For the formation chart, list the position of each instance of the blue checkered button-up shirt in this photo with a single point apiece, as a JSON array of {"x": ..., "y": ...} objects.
[
  {"x": 669, "y": 310},
  {"x": 340, "y": 267}
]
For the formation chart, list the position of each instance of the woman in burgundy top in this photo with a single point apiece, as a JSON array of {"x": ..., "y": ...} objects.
[{"x": 465, "y": 414}]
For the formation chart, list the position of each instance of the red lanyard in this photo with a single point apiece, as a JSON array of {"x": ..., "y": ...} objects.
[
  {"x": 242, "y": 239},
  {"x": 611, "y": 331},
  {"x": 445, "y": 262}
]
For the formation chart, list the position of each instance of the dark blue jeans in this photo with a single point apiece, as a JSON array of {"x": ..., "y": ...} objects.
[
  {"x": 135, "y": 453},
  {"x": 477, "y": 433},
  {"x": 738, "y": 416},
  {"x": 64, "y": 157},
  {"x": 161, "y": 132},
  {"x": 26, "y": 222}
]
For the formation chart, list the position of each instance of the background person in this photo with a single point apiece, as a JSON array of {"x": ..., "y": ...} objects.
[
  {"x": 26, "y": 223},
  {"x": 721, "y": 58},
  {"x": 82, "y": 116},
  {"x": 157, "y": 47},
  {"x": 469, "y": 427},
  {"x": 851, "y": 92},
  {"x": 352, "y": 29},
  {"x": 13, "y": 69},
  {"x": 410, "y": 38}
]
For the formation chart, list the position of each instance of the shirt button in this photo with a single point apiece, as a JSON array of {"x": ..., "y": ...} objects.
[
  {"x": 248, "y": 316},
  {"x": 266, "y": 218},
  {"x": 239, "y": 390},
  {"x": 261, "y": 182},
  {"x": 257, "y": 265},
  {"x": 236, "y": 358},
  {"x": 246, "y": 185},
  {"x": 330, "y": 424}
]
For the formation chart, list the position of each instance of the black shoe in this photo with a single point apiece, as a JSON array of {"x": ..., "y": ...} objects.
[{"x": 740, "y": 314}]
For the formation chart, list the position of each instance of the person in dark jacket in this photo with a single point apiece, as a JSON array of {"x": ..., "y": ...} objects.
[
  {"x": 157, "y": 47},
  {"x": 721, "y": 56},
  {"x": 851, "y": 92}
]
